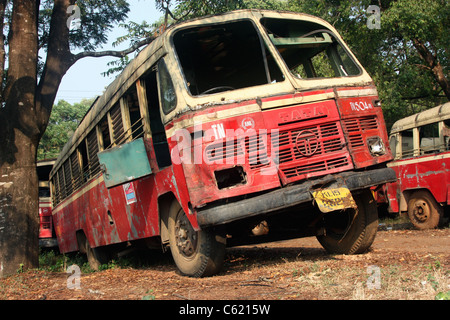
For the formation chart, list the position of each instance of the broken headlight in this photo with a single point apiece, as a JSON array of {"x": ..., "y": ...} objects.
[{"x": 376, "y": 146}]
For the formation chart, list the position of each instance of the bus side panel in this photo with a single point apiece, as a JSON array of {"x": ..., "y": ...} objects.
[
  {"x": 429, "y": 172},
  {"x": 83, "y": 211},
  {"x": 108, "y": 216},
  {"x": 65, "y": 230},
  {"x": 172, "y": 180},
  {"x": 132, "y": 209}
]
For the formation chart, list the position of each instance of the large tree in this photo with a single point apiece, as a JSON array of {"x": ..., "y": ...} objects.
[{"x": 33, "y": 29}]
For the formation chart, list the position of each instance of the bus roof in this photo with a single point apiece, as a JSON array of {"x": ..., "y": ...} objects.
[{"x": 436, "y": 114}]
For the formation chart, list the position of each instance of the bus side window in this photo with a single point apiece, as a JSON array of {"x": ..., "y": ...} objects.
[
  {"x": 167, "y": 91},
  {"x": 93, "y": 149},
  {"x": 157, "y": 129},
  {"x": 393, "y": 143},
  {"x": 84, "y": 161},
  {"x": 135, "y": 126},
  {"x": 446, "y": 134},
  {"x": 105, "y": 134},
  {"x": 76, "y": 172},
  {"x": 429, "y": 138},
  {"x": 117, "y": 128},
  {"x": 407, "y": 144}
]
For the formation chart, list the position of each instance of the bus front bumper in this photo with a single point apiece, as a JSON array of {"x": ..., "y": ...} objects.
[{"x": 290, "y": 196}]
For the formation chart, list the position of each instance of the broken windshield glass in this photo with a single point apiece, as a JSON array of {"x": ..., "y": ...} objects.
[{"x": 309, "y": 50}]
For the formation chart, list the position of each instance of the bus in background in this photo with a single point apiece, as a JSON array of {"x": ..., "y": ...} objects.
[
  {"x": 421, "y": 148},
  {"x": 244, "y": 127},
  {"x": 47, "y": 236}
]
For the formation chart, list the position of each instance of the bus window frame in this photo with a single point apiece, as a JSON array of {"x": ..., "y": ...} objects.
[{"x": 338, "y": 41}]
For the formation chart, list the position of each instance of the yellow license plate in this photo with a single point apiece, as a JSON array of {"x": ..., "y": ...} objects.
[{"x": 334, "y": 199}]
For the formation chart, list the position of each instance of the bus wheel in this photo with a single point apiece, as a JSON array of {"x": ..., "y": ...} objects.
[
  {"x": 423, "y": 210},
  {"x": 96, "y": 256},
  {"x": 351, "y": 231},
  {"x": 196, "y": 253}
]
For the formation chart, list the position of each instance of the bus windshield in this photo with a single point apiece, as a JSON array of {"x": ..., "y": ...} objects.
[
  {"x": 309, "y": 50},
  {"x": 223, "y": 57}
]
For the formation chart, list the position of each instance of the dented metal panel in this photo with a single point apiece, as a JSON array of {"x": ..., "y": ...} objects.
[{"x": 124, "y": 163}]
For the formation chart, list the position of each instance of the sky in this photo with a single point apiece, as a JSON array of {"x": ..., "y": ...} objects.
[{"x": 84, "y": 80}]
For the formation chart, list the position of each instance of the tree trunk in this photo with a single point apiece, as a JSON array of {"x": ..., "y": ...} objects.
[
  {"x": 23, "y": 120},
  {"x": 19, "y": 134},
  {"x": 433, "y": 63}
]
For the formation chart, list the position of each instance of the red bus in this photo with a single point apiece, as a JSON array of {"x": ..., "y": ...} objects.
[
  {"x": 244, "y": 127},
  {"x": 421, "y": 147},
  {"x": 46, "y": 232}
]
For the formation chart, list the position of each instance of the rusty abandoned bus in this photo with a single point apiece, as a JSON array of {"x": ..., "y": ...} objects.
[
  {"x": 244, "y": 127},
  {"x": 421, "y": 149}
]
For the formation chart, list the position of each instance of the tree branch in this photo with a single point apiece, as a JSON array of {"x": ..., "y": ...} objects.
[{"x": 112, "y": 53}]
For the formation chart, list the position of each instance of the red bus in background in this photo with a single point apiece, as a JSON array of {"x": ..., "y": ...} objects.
[
  {"x": 421, "y": 148},
  {"x": 244, "y": 127},
  {"x": 47, "y": 237}
]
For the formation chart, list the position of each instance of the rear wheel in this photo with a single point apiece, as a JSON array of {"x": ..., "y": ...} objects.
[
  {"x": 423, "y": 210},
  {"x": 196, "y": 253},
  {"x": 351, "y": 231}
]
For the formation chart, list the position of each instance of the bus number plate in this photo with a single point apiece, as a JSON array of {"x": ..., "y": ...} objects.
[{"x": 334, "y": 199}]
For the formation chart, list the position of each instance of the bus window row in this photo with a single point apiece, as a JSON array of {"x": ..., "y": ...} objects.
[
  {"x": 427, "y": 139},
  {"x": 123, "y": 123}
]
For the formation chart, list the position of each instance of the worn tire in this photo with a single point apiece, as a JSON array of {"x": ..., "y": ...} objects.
[
  {"x": 196, "y": 253},
  {"x": 423, "y": 210},
  {"x": 351, "y": 231}
]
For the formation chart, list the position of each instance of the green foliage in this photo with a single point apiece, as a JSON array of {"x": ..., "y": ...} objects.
[
  {"x": 443, "y": 296},
  {"x": 149, "y": 295},
  {"x": 62, "y": 124}
]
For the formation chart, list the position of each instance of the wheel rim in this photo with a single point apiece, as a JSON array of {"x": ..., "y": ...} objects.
[
  {"x": 421, "y": 211},
  {"x": 185, "y": 236}
]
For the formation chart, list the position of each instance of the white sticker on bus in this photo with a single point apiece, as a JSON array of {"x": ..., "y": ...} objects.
[{"x": 219, "y": 131}]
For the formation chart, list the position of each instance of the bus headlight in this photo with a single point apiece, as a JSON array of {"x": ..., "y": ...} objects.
[{"x": 376, "y": 146}]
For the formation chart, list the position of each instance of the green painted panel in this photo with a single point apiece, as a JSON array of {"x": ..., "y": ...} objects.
[
  {"x": 302, "y": 41},
  {"x": 124, "y": 163}
]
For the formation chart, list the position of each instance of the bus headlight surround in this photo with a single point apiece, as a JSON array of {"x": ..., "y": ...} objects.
[{"x": 376, "y": 146}]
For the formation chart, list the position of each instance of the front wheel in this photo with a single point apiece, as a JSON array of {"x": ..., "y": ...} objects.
[
  {"x": 196, "y": 253},
  {"x": 351, "y": 231}
]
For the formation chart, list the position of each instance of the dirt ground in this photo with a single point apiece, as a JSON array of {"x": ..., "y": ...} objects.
[{"x": 402, "y": 264}]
